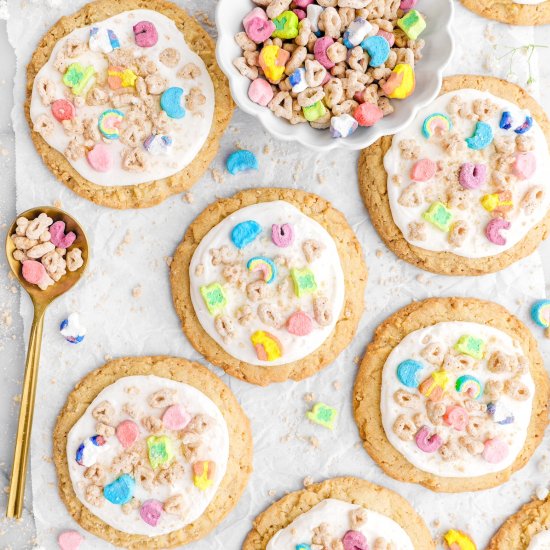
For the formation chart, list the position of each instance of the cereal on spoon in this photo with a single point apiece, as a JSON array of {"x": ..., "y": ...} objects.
[
  {"x": 44, "y": 250},
  {"x": 332, "y": 63}
]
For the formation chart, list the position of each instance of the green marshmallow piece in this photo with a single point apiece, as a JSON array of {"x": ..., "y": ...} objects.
[
  {"x": 160, "y": 450},
  {"x": 77, "y": 77},
  {"x": 470, "y": 345},
  {"x": 412, "y": 24},
  {"x": 323, "y": 415},
  {"x": 214, "y": 297},
  {"x": 286, "y": 25},
  {"x": 439, "y": 215},
  {"x": 304, "y": 281},
  {"x": 314, "y": 112}
]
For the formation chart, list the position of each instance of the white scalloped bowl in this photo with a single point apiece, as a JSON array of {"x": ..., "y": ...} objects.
[{"x": 429, "y": 75}]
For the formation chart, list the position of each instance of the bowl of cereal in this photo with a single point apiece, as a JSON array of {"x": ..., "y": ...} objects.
[{"x": 334, "y": 73}]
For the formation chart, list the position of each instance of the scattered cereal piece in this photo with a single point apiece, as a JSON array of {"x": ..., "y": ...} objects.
[
  {"x": 72, "y": 330},
  {"x": 323, "y": 415},
  {"x": 500, "y": 413},
  {"x": 426, "y": 441},
  {"x": 157, "y": 145},
  {"x": 458, "y": 541},
  {"x": 78, "y": 78},
  {"x": 70, "y": 540},
  {"x": 282, "y": 235},
  {"x": 265, "y": 265},
  {"x": 457, "y": 417},
  {"x": 472, "y": 176},
  {"x": 494, "y": 228},
  {"x": 525, "y": 126},
  {"x": 63, "y": 109},
  {"x": 498, "y": 202},
  {"x": 241, "y": 161},
  {"x": 109, "y": 123},
  {"x": 435, "y": 385},
  {"x": 540, "y": 313}
]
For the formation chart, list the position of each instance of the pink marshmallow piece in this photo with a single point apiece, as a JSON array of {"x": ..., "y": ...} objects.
[
  {"x": 389, "y": 36},
  {"x": 427, "y": 442},
  {"x": 70, "y": 540},
  {"x": 150, "y": 512},
  {"x": 175, "y": 417},
  {"x": 255, "y": 13},
  {"x": 493, "y": 229},
  {"x": 303, "y": 3},
  {"x": 100, "y": 157},
  {"x": 33, "y": 271},
  {"x": 355, "y": 540},
  {"x": 495, "y": 451},
  {"x": 145, "y": 34},
  {"x": 423, "y": 170},
  {"x": 301, "y": 14},
  {"x": 472, "y": 176},
  {"x": 260, "y": 92},
  {"x": 299, "y": 324},
  {"x": 407, "y": 5},
  {"x": 367, "y": 114},
  {"x": 259, "y": 30},
  {"x": 320, "y": 51},
  {"x": 524, "y": 165},
  {"x": 58, "y": 236},
  {"x": 127, "y": 433}
]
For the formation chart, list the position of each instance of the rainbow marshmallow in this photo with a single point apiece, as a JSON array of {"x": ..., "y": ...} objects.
[
  {"x": 470, "y": 385},
  {"x": 203, "y": 474},
  {"x": 265, "y": 265},
  {"x": 540, "y": 313},
  {"x": 267, "y": 346},
  {"x": 109, "y": 122},
  {"x": 438, "y": 123}
]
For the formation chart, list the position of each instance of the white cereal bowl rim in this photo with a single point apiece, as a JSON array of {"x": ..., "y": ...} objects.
[{"x": 429, "y": 77}]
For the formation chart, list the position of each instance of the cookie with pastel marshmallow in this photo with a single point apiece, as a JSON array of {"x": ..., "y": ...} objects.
[
  {"x": 151, "y": 452},
  {"x": 269, "y": 284},
  {"x": 126, "y": 102},
  {"x": 513, "y": 12},
  {"x": 462, "y": 190},
  {"x": 527, "y": 529},
  {"x": 451, "y": 394},
  {"x": 342, "y": 512}
]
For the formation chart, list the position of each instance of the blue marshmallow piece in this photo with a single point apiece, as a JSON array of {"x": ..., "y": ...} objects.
[
  {"x": 378, "y": 49},
  {"x": 241, "y": 161},
  {"x": 500, "y": 413},
  {"x": 244, "y": 233},
  {"x": 121, "y": 490},
  {"x": 171, "y": 102},
  {"x": 481, "y": 138},
  {"x": 506, "y": 120},
  {"x": 407, "y": 372},
  {"x": 525, "y": 127},
  {"x": 298, "y": 80}
]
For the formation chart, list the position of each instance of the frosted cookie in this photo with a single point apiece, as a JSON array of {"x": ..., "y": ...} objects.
[
  {"x": 451, "y": 394},
  {"x": 462, "y": 190},
  {"x": 527, "y": 529},
  {"x": 151, "y": 452},
  {"x": 259, "y": 285},
  {"x": 127, "y": 105},
  {"x": 346, "y": 513},
  {"x": 514, "y": 12}
]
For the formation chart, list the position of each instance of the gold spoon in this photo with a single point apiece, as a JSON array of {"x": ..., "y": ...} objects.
[{"x": 41, "y": 299}]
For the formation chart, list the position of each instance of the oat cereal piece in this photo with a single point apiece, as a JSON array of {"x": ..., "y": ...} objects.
[
  {"x": 170, "y": 57},
  {"x": 162, "y": 398}
]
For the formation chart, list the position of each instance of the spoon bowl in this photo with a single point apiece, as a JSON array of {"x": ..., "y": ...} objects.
[{"x": 41, "y": 299}]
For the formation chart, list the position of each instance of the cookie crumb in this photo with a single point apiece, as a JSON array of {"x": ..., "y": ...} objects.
[
  {"x": 309, "y": 397},
  {"x": 188, "y": 197},
  {"x": 137, "y": 291},
  {"x": 308, "y": 481}
]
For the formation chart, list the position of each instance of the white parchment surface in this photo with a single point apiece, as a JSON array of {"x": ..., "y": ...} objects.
[{"x": 125, "y": 302}]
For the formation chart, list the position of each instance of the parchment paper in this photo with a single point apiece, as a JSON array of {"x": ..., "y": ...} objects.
[{"x": 125, "y": 303}]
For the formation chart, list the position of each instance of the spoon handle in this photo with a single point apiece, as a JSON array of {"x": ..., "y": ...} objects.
[{"x": 21, "y": 453}]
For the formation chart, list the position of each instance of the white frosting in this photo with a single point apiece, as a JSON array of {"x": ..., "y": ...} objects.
[
  {"x": 447, "y": 334},
  {"x": 189, "y": 133},
  {"x": 215, "y": 447},
  {"x": 530, "y": 2},
  {"x": 541, "y": 541},
  {"x": 336, "y": 513},
  {"x": 327, "y": 270},
  {"x": 476, "y": 244}
]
